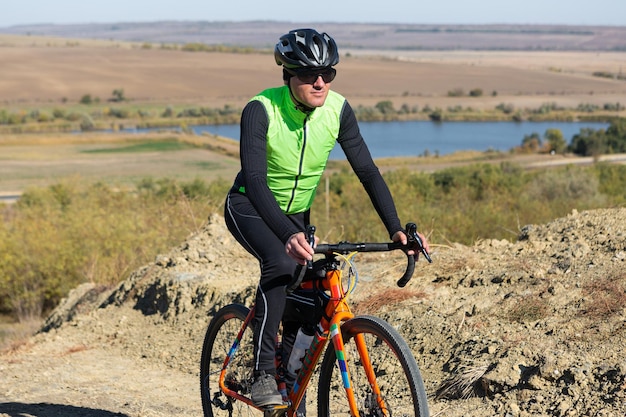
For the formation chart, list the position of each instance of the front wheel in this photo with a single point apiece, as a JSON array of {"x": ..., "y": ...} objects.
[
  {"x": 396, "y": 374},
  {"x": 218, "y": 341}
]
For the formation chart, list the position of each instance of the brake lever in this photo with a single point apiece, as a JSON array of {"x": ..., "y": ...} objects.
[
  {"x": 413, "y": 236},
  {"x": 300, "y": 270},
  {"x": 310, "y": 237}
]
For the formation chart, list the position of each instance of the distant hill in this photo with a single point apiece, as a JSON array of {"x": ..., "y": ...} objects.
[{"x": 263, "y": 34}]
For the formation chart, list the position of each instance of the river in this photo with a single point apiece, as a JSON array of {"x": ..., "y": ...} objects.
[{"x": 414, "y": 138}]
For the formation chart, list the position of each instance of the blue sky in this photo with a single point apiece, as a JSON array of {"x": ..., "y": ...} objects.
[{"x": 574, "y": 12}]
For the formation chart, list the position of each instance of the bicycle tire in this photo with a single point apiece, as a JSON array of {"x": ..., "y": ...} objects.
[
  {"x": 218, "y": 340},
  {"x": 397, "y": 374}
]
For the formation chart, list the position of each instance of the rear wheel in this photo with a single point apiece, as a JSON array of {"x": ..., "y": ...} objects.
[
  {"x": 397, "y": 375},
  {"x": 219, "y": 338}
]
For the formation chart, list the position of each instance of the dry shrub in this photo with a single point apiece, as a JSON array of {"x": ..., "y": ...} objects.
[
  {"x": 70, "y": 233},
  {"x": 605, "y": 296},
  {"x": 16, "y": 335},
  {"x": 528, "y": 309},
  {"x": 465, "y": 383},
  {"x": 392, "y": 297}
]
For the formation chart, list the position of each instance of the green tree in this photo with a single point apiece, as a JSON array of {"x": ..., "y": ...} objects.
[
  {"x": 118, "y": 95},
  {"x": 555, "y": 141},
  {"x": 86, "y": 99},
  {"x": 532, "y": 142},
  {"x": 385, "y": 107},
  {"x": 86, "y": 123},
  {"x": 58, "y": 113},
  {"x": 589, "y": 142},
  {"x": 168, "y": 112},
  {"x": 506, "y": 108},
  {"x": 616, "y": 136},
  {"x": 436, "y": 115},
  {"x": 457, "y": 92}
]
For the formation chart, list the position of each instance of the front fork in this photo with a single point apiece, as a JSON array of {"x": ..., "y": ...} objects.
[{"x": 364, "y": 359}]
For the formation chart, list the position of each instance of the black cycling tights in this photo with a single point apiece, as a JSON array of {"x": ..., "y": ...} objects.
[{"x": 277, "y": 269}]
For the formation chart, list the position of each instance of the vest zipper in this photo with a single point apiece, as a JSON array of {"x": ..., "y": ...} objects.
[{"x": 301, "y": 162}]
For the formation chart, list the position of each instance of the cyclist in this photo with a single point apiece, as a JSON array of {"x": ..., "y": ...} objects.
[{"x": 287, "y": 134}]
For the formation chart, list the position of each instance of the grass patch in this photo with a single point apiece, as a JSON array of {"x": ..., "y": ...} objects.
[
  {"x": 152, "y": 146},
  {"x": 528, "y": 309},
  {"x": 14, "y": 334},
  {"x": 206, "y": 165},
  {"x": 605, "y": 297},
  {"x": 376, "y": 302}
]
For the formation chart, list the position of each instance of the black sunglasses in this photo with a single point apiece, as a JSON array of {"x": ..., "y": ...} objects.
[{"x": 310, "y": 77}]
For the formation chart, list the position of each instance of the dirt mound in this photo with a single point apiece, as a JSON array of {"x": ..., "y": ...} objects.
[{"x": 534, "y": 327}]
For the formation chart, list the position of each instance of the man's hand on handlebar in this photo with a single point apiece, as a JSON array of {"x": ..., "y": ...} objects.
[
  {"x": 298, "y": 247},
  {"x": 301, "y": 247},
  {"x": 400, "y": 236}
]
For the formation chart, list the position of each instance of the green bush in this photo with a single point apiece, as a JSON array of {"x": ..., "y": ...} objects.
[
  {"x": 119, "y": 113},
  {"x": 591, "y": 142},
  {"x": 555, "y": 141},
  {"x": 436, "y": 115},
  {"x": 154, "y": 116},
  {"x": 86, "y": 99},
  {"x": 612, "y": 181},
  {"x": 467, "y": 203},
  {"x": 613, "y": 106},
  {"x": 385, "y": 107},
  {"x": 58, "y": 113},
  {"x": 506, "y": 108},
  {"x": 567, "y": 184},
  {"x": 58, "y": 237}
]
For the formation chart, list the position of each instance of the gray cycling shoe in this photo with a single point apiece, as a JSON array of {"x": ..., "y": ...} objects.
[{"x": 265, "y": 391}]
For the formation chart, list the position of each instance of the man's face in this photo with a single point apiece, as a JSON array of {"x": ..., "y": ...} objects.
[{"x": 310, "y": 88}]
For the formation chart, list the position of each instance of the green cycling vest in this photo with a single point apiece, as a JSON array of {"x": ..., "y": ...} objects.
[{"x": 298, "y": 146}]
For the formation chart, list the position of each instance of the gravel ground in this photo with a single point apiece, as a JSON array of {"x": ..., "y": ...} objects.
[{"x": 533, "y": 327}]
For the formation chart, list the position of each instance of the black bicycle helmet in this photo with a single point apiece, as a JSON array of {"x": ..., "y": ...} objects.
[{"x": 306, "y": 49}]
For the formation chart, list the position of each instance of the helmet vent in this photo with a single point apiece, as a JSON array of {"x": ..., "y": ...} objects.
[{"x": 306, "y": 48}]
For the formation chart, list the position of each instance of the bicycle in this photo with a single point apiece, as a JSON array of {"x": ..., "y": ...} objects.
[{"x": 367, "y": 357}]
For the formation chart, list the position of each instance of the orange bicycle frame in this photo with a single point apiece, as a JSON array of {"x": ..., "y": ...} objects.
[{"x": 338, "y": 311}]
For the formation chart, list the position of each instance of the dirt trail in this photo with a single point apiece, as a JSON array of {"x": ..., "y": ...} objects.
[{"x": 533, "y": 327}]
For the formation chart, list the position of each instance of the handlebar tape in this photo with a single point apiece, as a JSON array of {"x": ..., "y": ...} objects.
[
  {"x": 408, "y": 273},
  {"x": 346, "y": 247}
]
